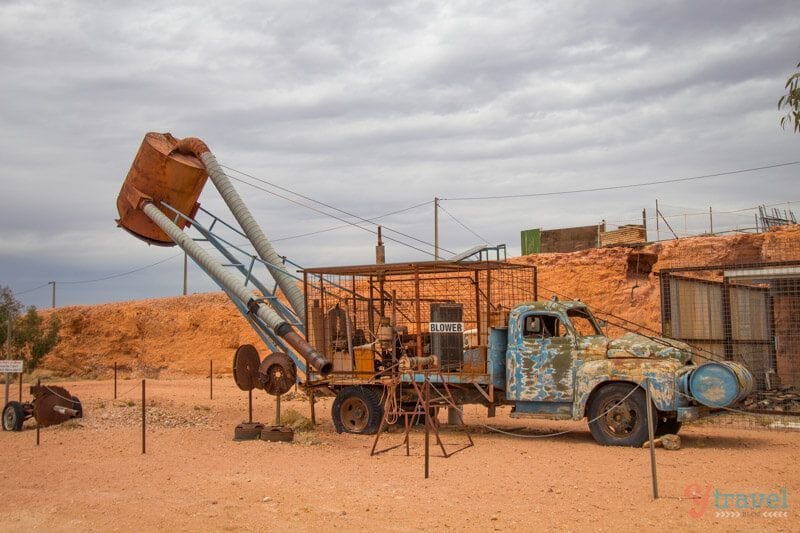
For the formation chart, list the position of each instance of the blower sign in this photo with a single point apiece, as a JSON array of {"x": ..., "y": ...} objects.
[{"x": 447, "y": 327}]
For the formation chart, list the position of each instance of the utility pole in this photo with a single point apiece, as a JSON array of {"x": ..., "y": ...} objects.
[
  {"x": 53, "y": 303},
  {"x": 711, "y": 219},
  {"x": 658, "y": 232},
  {"x": 436, "y": 228},
  {"x": 380, "y": 251},
  {"x": 185, "y": 267}
]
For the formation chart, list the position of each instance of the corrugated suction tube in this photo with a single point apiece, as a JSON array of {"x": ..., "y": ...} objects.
[
  {"x": 232, "y": 283},
  {"x": 252, "y": 230}
]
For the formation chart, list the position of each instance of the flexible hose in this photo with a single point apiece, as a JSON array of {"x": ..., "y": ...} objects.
[
  {"x": 245, "y": 219},
  {"x": 232, "y": 283}
]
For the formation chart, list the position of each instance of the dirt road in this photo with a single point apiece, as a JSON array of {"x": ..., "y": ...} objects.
[{"x": 90, "y": 474}]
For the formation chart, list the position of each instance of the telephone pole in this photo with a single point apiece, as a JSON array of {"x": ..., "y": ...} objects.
[{"x": 436, "y": 228}]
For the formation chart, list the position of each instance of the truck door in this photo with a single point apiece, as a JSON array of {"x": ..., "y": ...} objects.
[{"x": 543, "y": 359}]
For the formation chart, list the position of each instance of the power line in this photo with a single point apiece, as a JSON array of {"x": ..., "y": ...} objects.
[
  {"x": 354, "y": 224},
  {"x": 139, "y": 269},
  {"x": 33, "y": 289},
  {"x": 617, "y": 187},
  {"x": 329, "y": 206},
  {"x": 112, "y": 276},
  {"x": 349, "y": 225},
  {"x": 483, "y": 239}
]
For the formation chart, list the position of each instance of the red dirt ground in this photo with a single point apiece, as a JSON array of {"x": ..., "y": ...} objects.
[{"x": 90, "y": 475}]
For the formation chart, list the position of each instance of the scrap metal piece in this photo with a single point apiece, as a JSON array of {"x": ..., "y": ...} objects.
[
  {"x": 51, "y": 404},
  {"x": 277, "y": 434},
  {"x": 277, "y": 374},
  {"x": 245, "y": 367},
  {"x": 248, "y": 431}
]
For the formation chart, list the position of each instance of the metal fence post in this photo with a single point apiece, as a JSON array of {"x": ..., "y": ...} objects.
[
  {"x": 650, "y": 433},
  {"x": 144, "y": 416}
]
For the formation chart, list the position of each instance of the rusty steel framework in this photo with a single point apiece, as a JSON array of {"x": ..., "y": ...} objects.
[
  {"x": 363, "y": 303},
  {"x": 749, "y": 313}
]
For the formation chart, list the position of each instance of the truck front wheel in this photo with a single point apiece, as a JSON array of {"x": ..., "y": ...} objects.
[
  {"x": 357, "y": 410},
  {"x": 617, "y": 419}
]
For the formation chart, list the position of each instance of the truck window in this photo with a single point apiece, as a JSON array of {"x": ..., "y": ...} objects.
[
  {"x": 542, "y": 327},
  {"x": 583, "y": 322}
]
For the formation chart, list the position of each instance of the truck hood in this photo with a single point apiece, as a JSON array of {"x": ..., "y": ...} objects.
[{"x": 635, "y": 345}]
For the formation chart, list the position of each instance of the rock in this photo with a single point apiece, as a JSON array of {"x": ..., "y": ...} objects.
[
  {"x": 668, "y": 442},
  {"x": 671, "y": 442}
]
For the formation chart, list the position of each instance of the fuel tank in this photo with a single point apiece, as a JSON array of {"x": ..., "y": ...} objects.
[
  {"x": 717, "y": 383},
  {"x": 159, "y": 174}
]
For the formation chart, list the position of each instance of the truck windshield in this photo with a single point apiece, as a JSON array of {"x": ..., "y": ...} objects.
[{"x": 583, "y": 322}]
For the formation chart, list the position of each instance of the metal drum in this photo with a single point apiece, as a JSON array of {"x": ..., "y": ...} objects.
[
  {"x": 719, "y": 383},
  {"x": 160, "y": 174}
]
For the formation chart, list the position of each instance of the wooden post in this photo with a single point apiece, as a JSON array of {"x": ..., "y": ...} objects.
[
  {"x": 38, "y": 384},
  {"x": 115, "y": 380},
  {"x": 435, "y": 231}
]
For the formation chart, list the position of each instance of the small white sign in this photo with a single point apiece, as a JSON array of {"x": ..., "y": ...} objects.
[
  {"x": 10, "y": 366},
  {"x": 446, "y": 327}
]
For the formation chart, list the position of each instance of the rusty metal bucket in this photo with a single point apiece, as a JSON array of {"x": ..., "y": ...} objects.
[{"x": 159, "y": 174}]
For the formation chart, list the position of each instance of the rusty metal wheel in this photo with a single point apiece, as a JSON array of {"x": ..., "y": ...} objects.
[
  {"x": 13, "y": 416},
  {"x": 617, "y": 418},
  {"x": 245, "y": 367},
  {"x": 277, "y": 374},
  {"x": 357, "y": 410}
]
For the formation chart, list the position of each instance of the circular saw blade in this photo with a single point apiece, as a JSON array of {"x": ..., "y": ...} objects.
[{"x": 245, "y": 367}]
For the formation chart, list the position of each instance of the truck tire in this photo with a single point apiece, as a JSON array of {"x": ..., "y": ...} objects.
[
  {"x": 618, "y": 425},
  {"x": 13, "y": 416},
  {"x": 357, "y": 410},
  {"x": 670, "y": 426}
]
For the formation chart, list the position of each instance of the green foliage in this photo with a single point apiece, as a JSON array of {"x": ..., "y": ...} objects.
[
  {"x": 791, "y": 102},
  {"x": 31, "y": 339}
]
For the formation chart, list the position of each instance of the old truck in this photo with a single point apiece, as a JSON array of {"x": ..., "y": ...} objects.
[
  {"x": 343, "y": 331},
  {"x": 545, "y": 359}
]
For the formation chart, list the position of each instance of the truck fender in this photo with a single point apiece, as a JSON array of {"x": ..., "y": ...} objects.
[{"x": 593, "y": 374}]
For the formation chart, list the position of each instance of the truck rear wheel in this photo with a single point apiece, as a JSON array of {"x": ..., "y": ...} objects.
[
  {"x": 13, "y": 416},
  {"x": 617, "y": 422},
  {"x": 357, "y": 410}
]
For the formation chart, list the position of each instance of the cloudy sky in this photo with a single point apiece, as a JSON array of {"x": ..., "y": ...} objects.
[{"x": 373, "y": 107}]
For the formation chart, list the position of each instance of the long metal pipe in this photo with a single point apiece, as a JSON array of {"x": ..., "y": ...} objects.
[
  {"x": 249, "y": 225},
  {"x": 236, "y": 287}
]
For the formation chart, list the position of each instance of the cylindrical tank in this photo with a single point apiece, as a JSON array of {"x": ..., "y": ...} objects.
[
  {"x": 718, "y": 383},
  {"x": 159, "y": 173}
]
